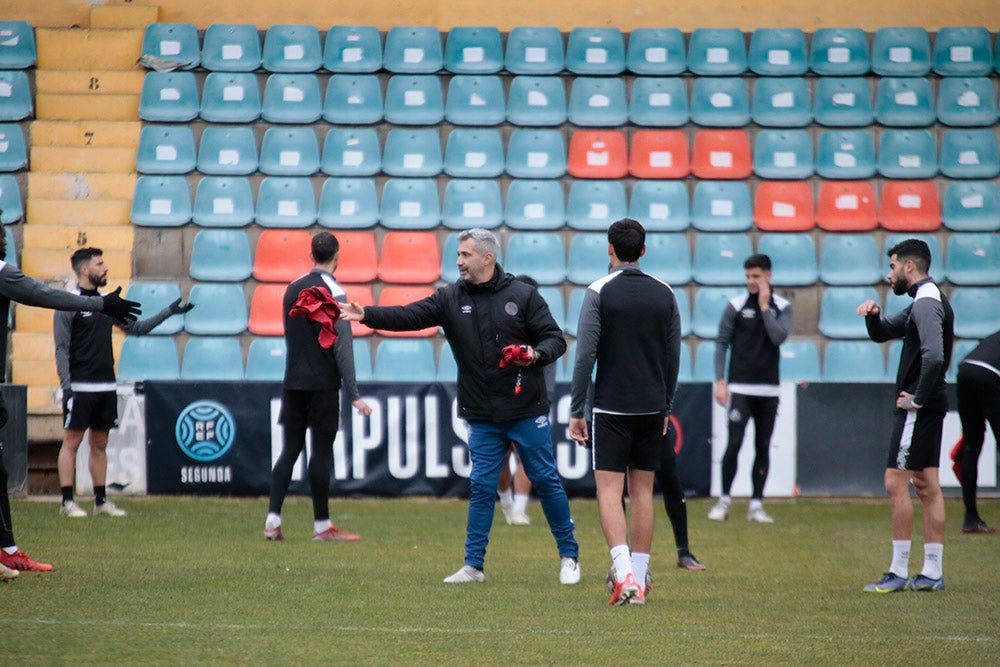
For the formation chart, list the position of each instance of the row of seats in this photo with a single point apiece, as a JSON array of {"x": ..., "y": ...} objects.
[
  {"x": 419, "y": 99},
  {"x": 894, "y": 51},
  {"x": 480, "y": 153},
  {"x": 416, "y": 203}
]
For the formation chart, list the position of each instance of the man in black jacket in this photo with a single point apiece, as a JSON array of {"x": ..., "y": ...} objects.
[{"x": 503, "y": 397}]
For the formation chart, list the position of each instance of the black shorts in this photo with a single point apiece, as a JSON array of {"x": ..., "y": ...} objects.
[
  {"x": 91, "y": 409},
  {"x": 916, "y": 440},
  {"x": 318, "y": 410},
  {"x": 627, "y": 441}
]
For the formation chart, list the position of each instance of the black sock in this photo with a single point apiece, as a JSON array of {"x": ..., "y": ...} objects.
[
  {"x": 100, "y": 495},
  {"x": 67, "y": 493}
]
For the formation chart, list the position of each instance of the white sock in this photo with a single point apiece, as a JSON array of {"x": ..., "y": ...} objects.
[
  {"x": 933, "y": 557},
  {"x": 640, "y": 565},
  {"x": 756, "y": 504},
  {"x": 321, "y": 526},
  {"x": 622, "y": 560},
  {"x": 506, "y": 497},
  {"x": 900, "y": 558},
  {"x": 272, "y": 521},
  {"x": 521, "y": 502},
  {"x": 726, "y": 499},
  {"x": 10, "y": 551}
]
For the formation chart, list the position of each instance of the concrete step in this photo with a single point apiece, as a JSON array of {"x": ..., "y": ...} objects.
[
  {"x": 77, "y": 186},
  {"x": 89, "y": 82},
  {"x": 78, "y": 212},
  {"x": 123, "y": 16},
  {"x": 89, "y": 159},
  {"x": 47, "y": 263},
  {"x": 98, "y": 107},
  {"x": 88, "y": 48},
  {"x": 85, "y": 134},
  {"x": 69, "y": 238}
]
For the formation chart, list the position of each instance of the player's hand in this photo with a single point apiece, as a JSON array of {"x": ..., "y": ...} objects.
[
  {"x": 531, "y": 354},
  {"x": 764, "y": 295},
  {"x": 352, "y": 312},
  {"x": 119, "y": 308},
  {"x": 869, "y": 307},
  {"x": 721, "y": 393},
  {"x": 362, "y": 407},
  {"x": 177, "y": 309},
  {"x": 905, "y": 402},
  {"x": 578, "y": 430}
]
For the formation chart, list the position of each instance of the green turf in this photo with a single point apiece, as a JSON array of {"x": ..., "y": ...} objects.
[{"x": 192, "y": 581}]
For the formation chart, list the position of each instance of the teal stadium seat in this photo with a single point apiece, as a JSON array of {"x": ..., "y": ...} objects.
[
  {"x": 704, "y": 361},
  {"x": 778, "y": 52},
  {"x": 959, "y": 351},
  {"x": 907, "y": 154},
  {"x": 798, "y": 361},
  {"x": 963, "y": 51},
  {"x": 221, "y": 255},
  {"x": 414, "y": 100},
  {"x": 977, "y": 311},
  {"x": 668, "y": 258},
  {"x": 658, "y": 102},
  {"x": 227, "y": 315},
  {"x": 286, "y": 202},
  {"x": 292, "y": 98},
  {"x": 718, "y": 259},
  {"x": 966, "y": 102},
  {"x": 159, "y": 201},
  {"x": 227, "y": 151},
  {"x": 231, "y": 47},
  {"x": 554, "y": 300},
  {"x": 11, "y": 207},
  {"x": 351, "y": 152},
  {"x": 595, "y": 51},
  {"x": 148, "y": 358},
  {"x": 783, "y": 154},
  {"x": 163, "y": 149},
  {"x": 223, "y": 201},
  {"x": 839, "y": 52},
  {"x": 684, "y": 306},
  {"x": 588, "y": 258},
  {"x": 849, "y": 259},
  {"x": 661, "y": 206},
  {"x": 717, "y": 52},
  {"x": 475, "y": 100},
  {"x": 901, "y": 52},
  {"x": 413, "y": 50},
  {"x": 404, "y": 360},
  {"x": 794, "y": 258},
  {"x": 709, "y": 304},
  {"x": 13, "y": 151},
  {"x": 474, "y": 153},
  {"x": 721, "y": 206},
  {"x": 597, "y": 102},
  {"x": 536, "y": 154},
  {"x": 473, "y": 50},
  {"x": 289, "y": 151},
  {"x": 781, "y": 102},
  {"x": 266, "y": 359},
  {"x": 720, "y": 102},
  {"x": 594, "y": 205},
  {"x": 352, "y": 49},
  {"x": 166, "y": 97},
  {"x": 362, "y": 360},
  {"x": 904, "y": 102},
  {"x": 845, "y": 154},
  {"x": 410, "y": 203},
  {"x": 534, "y": 50},
  {"x": 540, "y": 255},
  {"x": 684, "y": 373},
  {"x": 353, "y": 99},
  {"x": 17, "y": 45},
  {"x": 154, "y": 297},
  {"x": 854, "y": 361},
  {"x": 12, "y": 251},
  {"x": 412, "y": 152},
  {"x": 937, "y": 258},
  {"x": 472, "y": 203},
  {"x": 573, "y": 307},
  {"x": 843, "y": 102},
  {"x": 971, "y": 206},
  {"x": 970, "y": 153},
  {"x": 838, "y": 316},
  {"x": 535, "y": 205},
  {"x": 447, "y": 367},
  {"x": 230, "y": 97},
  {"x": 348, "y": 203},
  {"x": 212, "y": 359},
  {"x": 292, "y": 48},
  {"x": 656, "y": 52},
  {"x": 973, "y": 258},
  {"x": 537, "y": 101},
  {"x": 173, "y": 44}
]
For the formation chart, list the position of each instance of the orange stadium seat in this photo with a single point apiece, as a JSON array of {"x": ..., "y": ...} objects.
[
  {"x": 721, "y": 154},
  {"x": 784, "y": 206},
  {"x": 400, "y": 295},
  {"x": 361, "y": 294},
  {"x": 598, "y": 154},
  {"x": 282, "y": 255},
  {"x": 358, "y": 257},
  {"x": 846, "y": 206},
  {"x": 662, "y": 154},
  {"x": 409, "y": 257},
  {"x": 266, "y": 318},
  {"x": 910, "y": 206}
]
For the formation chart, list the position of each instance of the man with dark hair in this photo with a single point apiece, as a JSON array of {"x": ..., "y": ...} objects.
[
  {"x": 630, "y": 326},
  {"x": 753, "y": 326},
  {"x": 319, "y": 360},
  {"x": 86, "y": 366},
  {"x": 927, "y": 330}
]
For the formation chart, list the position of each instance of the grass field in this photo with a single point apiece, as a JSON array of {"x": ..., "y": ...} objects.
[{"x": 192, "y": 581}]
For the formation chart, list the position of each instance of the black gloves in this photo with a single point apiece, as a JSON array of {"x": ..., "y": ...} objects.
[
  {"x": 177, "y": 309},
  {"x": 119, "y": 308}
]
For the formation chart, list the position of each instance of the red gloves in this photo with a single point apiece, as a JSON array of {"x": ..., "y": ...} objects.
[{"x": 513, "y": 353}]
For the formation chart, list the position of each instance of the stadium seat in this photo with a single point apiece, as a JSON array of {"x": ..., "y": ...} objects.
[
  {"x": 661, "y": 206},
  {"x": 937, "y": 258},
  {"x": 966, "y": 102},
  {"x": 154, "y": 297},
  {"x": 973, "y": 258},
  {"x": 684, "y": 306},
  {"x": 853, "y": 361},
  {"x": 793, "y": 256},
  {"x": 717, "y": 52},
  {"x": 721, "y": 154},
  {"x": 588, "y": 258},
  {"x": 554, "y": 300},
  {"x": 475, "y": 100},
  {"x": 167, "y": 97},
  {"x": 221, "y": 255},
  {"x": 352, "y": 49},
  {"x": 266, "y": 359},
  {"x": 472, "y": 203},
  {"x": 597, "y": 102},
  {"x": 901, "y": 52},
  {"x": 799, "y": 361},
  {"x": 721, "y": 206},
  {"x": 658, "y": 102},
  {"x": 536, "y": 154},
  {"x": 410, "y": 203},
  {"x": 414, "y": 100},
  {"x": 784, "y": 206},
  {"x": 231, "y": 48},
  {"x": 473, "y": 50},
  {"x": 11, "y": 207},
  {"x": 843, "y": 102},
  {"x": 593, "y": 205},
  {"x": 597, "y": 154},
  {"x": 410, "y": 258},
  {"x": 230, "y": 97},
  {"x": 839, "y": 52},
  {"x": 846, "y": 206},
  {"x": 147, "y": 358},
  {"x": 223, "y": 201},
  {"x": 157, "y": 201},
  {"x": 17, "y": 45},
  {"x": 537, "y": 101},
  {"x": 163, "y": 149},
  {"x": 358, "y": 257},
  {"x": 449, "y": 254},
  {"x": 704, "y": 361},
  {"x": 413, "y": 50},
  {"x": 535, "y": 205},
  {"x": 540, "y": 255},
  {"x": 684, "y": 373},
  {"x": 893, "y": 304},
  {"x": 963, "y": 51},
  {"x": 292, "y": 48},
  {"x": 353, "y": 99},
  {"x": 972, "y": 206},
  {"x": 348, "y": 203},
  {"x": 668, "y": 257},
  {"x": 720, "y": 102},
  {"x": 361, "y": 294},
  {"x": 282, "y": 255},
  {"x": 907, "y": 154},
  {"x": 573, "y": 307},
  {"x": 845, "y": 154},
  {"x": 404, "y": 361},
  {"x": 266, "y": 317},
  {"x": 718, "y": 259},
  {"x": 778, "y": 52},
  {"x": 292, "y": 98},
  {"x": 400, "y": 295},
  {"x": 910, "y": 206},
  {"x": 351, "y": 152},
  {"x": 227, "y": 314},
  {"x": 219, "y": 359},
  {"x": 474, "y": 153},
  {"x": 412, "y": 153},
  {"x": 838, "y": 312},
  {"x": 783, "y": 154},
  {"x": 595, "y": 51},
  {"x": 977, "y": 310},
  {"x": 536, "y": 51},
  {"x": 13, "y": 151},
  {"x": 849, "y": 259},
  {"x": 289, "y": 151},
  {"x": 447, "y": 367},
  {"x": 286, "y": 202},
  {"x": 656, "y": 52},
  {"x": 781, "y": 102},
  {"x": 959, "y": 351},
  {"x": 709, "y": 304},
  {"x": 362, "y": 359},
  {"x": 971, "y": 153},
  {"x": 662, "y": 154},
  {"x": 170, "y": 45},
  {"x": 227, "y": 151},
  {"x": 904, "y": 102}
]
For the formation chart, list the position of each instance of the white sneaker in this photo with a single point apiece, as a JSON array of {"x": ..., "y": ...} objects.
[
  {"x": 466, "y": 575},
  {"x": 508, "y": 512},
  {"x": 720, "y": 512},
  {"x": 110, "y": 509},
  {"x": 759, "y": 515},
  {"x": 569, "y": 573},
  {"x": 7, "y": 574},
  {"x": 71, "y": 509},
  {"x": 519, "y": 519}
]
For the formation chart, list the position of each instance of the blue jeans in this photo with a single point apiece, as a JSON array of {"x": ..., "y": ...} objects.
[{"x": 488, "y": 444}]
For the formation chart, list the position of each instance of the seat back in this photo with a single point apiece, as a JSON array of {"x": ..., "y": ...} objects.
[
  {"x": 778, "y": 52},
  {"x": 163, "y": 149},
  {"x": 351, "y": 152},
  {"x": 783, "y": 154},
  {"x": 656, "y": 52},
  {"x": 285, "y": 202},
  {"x": 225, "y": 311},
  {"x": 157, "y": 201},
  {"x": 473, "y": 50},
  {"x": 358, "y": 257},
  {"x": 289, "y": 151},
  {"x": 410, "y": 203},
  {"x": 266, "y": 310},
  {"x": 720, "y": 102},
  {"x": 414, "y": 99},
  {"x": 588, "y": 258},
  {"x": 535, "y": 205},
  {"x": 971, "y": 206},
  {"x": 540, "y": 255},
  {"x": 721, "y": 206},
  {"x": 845, "y": 154},
  {"x": 404, "y": 361},
  {"x": 410, "y": 258},
  {"x": 597, "y": 102},
  {"x": 166, "y": 97},
  {"x": 475, "y": 100},
  {"x": 658, "y": 102},
  {"x": 400, "y": 295},
  {"x": 793, "y": 256},
  {"x": 967, "y": 102},
  {"x": 413, "y": 50},
  {"x": 799, "y": 361},
  {"x": 843, "y": 102},
  {"x": 537, "y": 101},
  {"x": 904, "y": 102},
  {"x": 661, "y": 206},
  {"x": 412, "y": 152},
  {"x": 213, "y": 358},
  {"x": 230, "y": 97},
  {"x": 154, "y": 297},
  {"x": 223, "y": 201},
  {"x": 13, "y": 151},
  {"x": 474, "y": 153},
  {"x": 901, "y": 51},
  {"x": 977, "y": 311},
  {"x": 854, "y": 361},
  {"x": 709, "y": 304},
  {"x": 266, "y": 359},
  {"x": 472, "y": 203},
  {"x": 784, "y": 206},
  {"x": 227, "y": 151},
  {"x": 292, "y": 98},
  {"x": 536, "y": 154},
  {"x": 169, "y": 42},
  {"x": 221, "y": 255},
  {"x": 292, "y": 48},
  {"x": 717, "y": 52},
  {"x": 838, "y": 317},
  {"x": 907, "y": 154},
  {"x": 352, "y": 49},
  {"x": 228, "y": 47},
  {"x": 721, "y": 154},
  {"x": 971, "y": 153},
  {"x": 534, "y": 50},
  {"x": 839, "y": 52},
  {"x": 661, "y": 154},
  {"x": 781, "y": 102},
  {"x": 668, "y": 257},
  {"x": 846, "y": 206},
  {"x": 282, "y": 255},
  {"x": 597, "y": 154},
  {"x": 910, "y": 206},
  {"x": 353, "y": 99},
  {"x": 973, "y": 258},
  {"x": 718, "y": 258},
  {"x": 348, "y": 203},
  {"x": 17, "y": 48},
  {"x": 595, "y": 51},
  {"x": 143, "y": 358},
  {"x": 962, "y": 51},
  {"x": 594, "y": 205},
  {"x": 849, "y": 259}
]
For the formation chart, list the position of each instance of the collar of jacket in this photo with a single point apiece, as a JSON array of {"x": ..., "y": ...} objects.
[{"x": 499, "y": 279}]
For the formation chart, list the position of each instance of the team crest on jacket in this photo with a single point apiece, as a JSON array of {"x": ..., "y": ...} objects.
[
  {"x": 747, "y": 313},
  {"x": 510, "y": 308},
  {"x": 466, "y": 309}
]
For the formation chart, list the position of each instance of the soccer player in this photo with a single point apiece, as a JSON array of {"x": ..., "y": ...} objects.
[
  {"x": 927, "y": 330},
  {"x": 753, "y": 326}
]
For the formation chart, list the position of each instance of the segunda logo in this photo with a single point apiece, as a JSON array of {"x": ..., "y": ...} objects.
[{"x": 205, "y": 430}]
